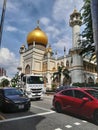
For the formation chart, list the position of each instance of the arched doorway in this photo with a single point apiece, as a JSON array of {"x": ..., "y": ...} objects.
[
  {"x": 90, "y": 80},
  {"x": 27, "y": 69}
]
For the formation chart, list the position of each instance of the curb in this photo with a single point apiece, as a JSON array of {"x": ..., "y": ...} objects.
[{"x": 49, "y": 93}]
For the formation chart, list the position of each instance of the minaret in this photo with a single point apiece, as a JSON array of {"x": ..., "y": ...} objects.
[
  {"x": 21, "y": 51},
  {"x": 75, "y": 22},
  {"x": 48, "y": 54},
  {"x": 77, "y": 61}
]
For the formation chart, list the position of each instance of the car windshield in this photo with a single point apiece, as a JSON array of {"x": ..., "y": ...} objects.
[
  {"x": 12, "y": 92},
  {"x": 94, "y": 93}
]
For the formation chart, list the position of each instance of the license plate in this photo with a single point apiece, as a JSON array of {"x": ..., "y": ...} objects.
[{"x": 21, "y": 106}]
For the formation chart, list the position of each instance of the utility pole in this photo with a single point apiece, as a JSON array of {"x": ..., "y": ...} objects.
[
  {"x": 2, "y": 20},
  {"x": 94, "y": 12}
]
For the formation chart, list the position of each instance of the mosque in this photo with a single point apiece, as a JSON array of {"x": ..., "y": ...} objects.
[{"x": 38, "y": 58}]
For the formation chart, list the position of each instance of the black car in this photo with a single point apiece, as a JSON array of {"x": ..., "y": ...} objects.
[{"x": 13, "y": 99}]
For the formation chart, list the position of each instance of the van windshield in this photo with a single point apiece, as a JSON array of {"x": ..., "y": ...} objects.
[{"x": 35, "y": 80}]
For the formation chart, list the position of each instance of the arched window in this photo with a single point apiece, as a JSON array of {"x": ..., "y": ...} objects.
[
  {"x": 27, "y": 69},
  {"x": 90, "y": 80},
  {"x": 58, "y": 64},
  {"x": 44, "y": 66},
  {"x": 67, "y": 63}
]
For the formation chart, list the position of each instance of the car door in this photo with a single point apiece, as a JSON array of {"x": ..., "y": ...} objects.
[
  {"x": 80, "y": 106},
  {"x": 67, "y": 100}
]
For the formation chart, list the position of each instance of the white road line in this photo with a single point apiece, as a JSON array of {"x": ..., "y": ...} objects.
[
  {"x": 68, "y": 126},
  {"x": 41, "y": 108},
  {"x": 25, "y": 117},
  {"x": 84, "y": 121},
  {"x": 58, "y": 129},
  {"x": 77, "y": 123}
]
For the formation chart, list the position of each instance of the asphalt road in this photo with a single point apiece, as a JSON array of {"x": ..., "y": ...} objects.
[{"x": 42, "y": 117}]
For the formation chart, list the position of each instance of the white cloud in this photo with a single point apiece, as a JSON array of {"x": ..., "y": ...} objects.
[
  {"x": 45, "y": 21},
  {"x": 61, "y": 12},
  {"x": 8, "y": 61},
  {"x": 11, "y": 6},
  {"x": 63, "y": 8},
  {"x": 11, "y": 29},
  {"x": 54, "y": 32},
  {"x": 14, "y": 29},
  {"x": 60, "y": 8},
  {"x": 63, "y": 42}
]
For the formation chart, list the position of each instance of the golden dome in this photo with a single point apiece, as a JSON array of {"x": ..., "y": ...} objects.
[{"x": 38, "y": 36}]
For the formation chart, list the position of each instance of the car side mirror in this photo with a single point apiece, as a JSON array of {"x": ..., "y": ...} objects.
[{"x": 85, "y": 99}]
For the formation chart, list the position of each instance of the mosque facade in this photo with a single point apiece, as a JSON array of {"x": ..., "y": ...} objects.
[{"x": 38, "y": 58}]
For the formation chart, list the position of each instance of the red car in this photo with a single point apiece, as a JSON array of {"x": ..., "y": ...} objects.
[{"x": 80, "y": 101}]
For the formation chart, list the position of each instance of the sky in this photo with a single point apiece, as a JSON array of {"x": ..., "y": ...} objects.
[{"x": 21, "y": 17}]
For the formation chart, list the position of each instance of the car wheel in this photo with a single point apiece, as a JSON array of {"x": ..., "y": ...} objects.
[
  {"x": 58, "y": 107},
  {"x": 27, "y": 109},
  {"x": 95, "y": 117},
  {"x": 4, "y": 109}
]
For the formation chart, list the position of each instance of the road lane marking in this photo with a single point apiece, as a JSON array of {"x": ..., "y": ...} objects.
[
  {"x": 25, "y": 117},
  {"x": 68, "y": 126},
  {"x": 84, "y": 121},
  {"x": 41, "y": 108},
  {"x": 58, "y": 129},
  {"x": 77, "y": 123}
]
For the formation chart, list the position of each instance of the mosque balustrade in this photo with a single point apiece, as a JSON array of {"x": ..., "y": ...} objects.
[{"x": 89, "y": 67}]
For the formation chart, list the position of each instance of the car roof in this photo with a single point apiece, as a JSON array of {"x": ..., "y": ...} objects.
[
  {"x": 79, "y": 88},
  {"x": 4, "y": 88}
]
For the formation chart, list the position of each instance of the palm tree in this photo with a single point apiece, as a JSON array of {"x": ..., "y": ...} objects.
[
  {"x": 58, "y": 75},
  {"x": 67, "y": 78}
]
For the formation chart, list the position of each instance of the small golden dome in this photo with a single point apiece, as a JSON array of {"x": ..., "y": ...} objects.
[
  {"x": 75, "y": 12},
  {"x": 38, "y": 36},
  {"x": 48, "y": 50},
  {"x": 23, "y": 46}
]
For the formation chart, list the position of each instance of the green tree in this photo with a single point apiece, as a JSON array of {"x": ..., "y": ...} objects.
[
  {"x": 67, "y": 78},
  {"x": 4, "y": 82},
  {"x": 87, "y": 42},
  {"x": 15, "y": 80},
  {"x": 57, "y": 75},
  {"x": 62, "y": 70}
]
